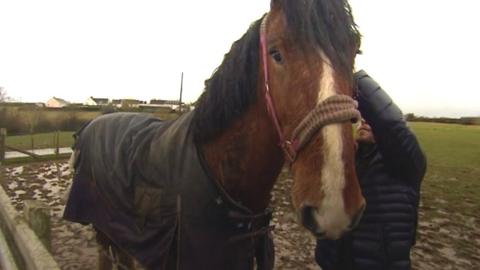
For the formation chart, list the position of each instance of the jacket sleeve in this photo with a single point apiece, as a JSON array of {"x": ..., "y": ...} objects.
[
  {"x": 326, "y": 253},
  {"x": 396, "y": 142}
]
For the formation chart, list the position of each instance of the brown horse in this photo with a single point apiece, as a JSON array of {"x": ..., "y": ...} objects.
[{"x": 282, "y": 94}]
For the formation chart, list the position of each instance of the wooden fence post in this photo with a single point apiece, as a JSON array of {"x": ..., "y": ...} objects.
[
  {"x": 56, "y": 142},
  {"x": 37, "y": 215},
  {"x": 3, "y": 137}
]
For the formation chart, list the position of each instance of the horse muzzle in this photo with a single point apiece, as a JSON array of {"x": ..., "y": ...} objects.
[{"x": 329, "y": 227}]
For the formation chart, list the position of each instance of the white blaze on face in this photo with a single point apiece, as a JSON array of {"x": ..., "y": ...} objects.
[{"x": 331, "y": 217}]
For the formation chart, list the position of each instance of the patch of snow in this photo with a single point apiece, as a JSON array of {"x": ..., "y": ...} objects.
[
  {"x": 40, "y": 152},
  {"x": 53, "y": 189},
  {"x": 12, "y": 185},
  {"x": 440, "y": 220},
  {"x": 450, "y": 254},
  {"x": 441, "y": 201},
  {"x": 41, "y": 176},
  {"x": 16, "y": 171},
  {"x": 20, "y": 192}
]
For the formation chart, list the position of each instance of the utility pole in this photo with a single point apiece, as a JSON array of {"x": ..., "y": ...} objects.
[{"x": 181, "y": 90}]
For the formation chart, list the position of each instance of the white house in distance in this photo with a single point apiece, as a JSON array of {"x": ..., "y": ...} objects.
[
  {"x": 160, "y": 103},
  {"x": 56, "y": 102},
  {"x": 91, "y": 101},
  {"x": 127, "y": 102}
]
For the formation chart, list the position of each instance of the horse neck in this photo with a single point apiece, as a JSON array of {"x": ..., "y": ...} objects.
[{"x": 246, "y": 160}]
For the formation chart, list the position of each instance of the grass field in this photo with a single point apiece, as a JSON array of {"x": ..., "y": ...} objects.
[
  {"x": 453, "y": 155},
  {"x": 40, "y": 140},
  {"x": 449, "y": 231}
]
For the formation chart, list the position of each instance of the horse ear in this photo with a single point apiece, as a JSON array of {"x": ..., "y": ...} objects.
[{"x": 274, "y": 4}]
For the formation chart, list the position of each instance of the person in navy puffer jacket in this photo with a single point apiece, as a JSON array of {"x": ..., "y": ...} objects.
[{"x": 390, "y": 167}]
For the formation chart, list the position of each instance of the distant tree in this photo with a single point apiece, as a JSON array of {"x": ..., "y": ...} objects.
[
  {"x": 107, "y": 109},
  {"x": 410, "y": 117}
]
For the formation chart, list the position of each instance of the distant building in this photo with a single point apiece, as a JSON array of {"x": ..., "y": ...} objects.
[
  {"x": 55, "y": 102},
  {"x": 116, "y": 102},
  {"x": 125, "y": 103},
  {"x": 161, "y": 103},
  {"x": 92, "y": 101}
]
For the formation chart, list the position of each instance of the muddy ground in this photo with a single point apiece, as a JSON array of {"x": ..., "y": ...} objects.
[{"x": 73, "y": 245}]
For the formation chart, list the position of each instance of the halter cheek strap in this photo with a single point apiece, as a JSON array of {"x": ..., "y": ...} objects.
[
  {"x": 335, "y": 109},
  {"x": 288, "y": 147}
]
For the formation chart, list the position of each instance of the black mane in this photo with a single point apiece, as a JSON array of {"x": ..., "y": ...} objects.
[
  {"x": 230, "y": 90},
  {"x": 326, "y": 24}
]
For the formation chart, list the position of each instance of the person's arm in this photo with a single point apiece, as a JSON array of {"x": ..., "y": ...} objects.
[
  {"x": 327, "y": 254},
  {"x": 397, "y": 144}
]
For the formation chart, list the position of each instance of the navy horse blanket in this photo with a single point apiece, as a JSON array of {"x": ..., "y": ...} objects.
[{"x": 144, "y": 184}]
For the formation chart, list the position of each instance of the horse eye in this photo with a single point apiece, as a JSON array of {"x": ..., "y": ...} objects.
[{"x": 277, "y": 56}]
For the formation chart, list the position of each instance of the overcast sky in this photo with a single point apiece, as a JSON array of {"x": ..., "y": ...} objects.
[{"x": 425, "y": 53}]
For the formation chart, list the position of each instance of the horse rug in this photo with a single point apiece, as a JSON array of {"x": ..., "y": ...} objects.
[{"x": 144, "y": 184}]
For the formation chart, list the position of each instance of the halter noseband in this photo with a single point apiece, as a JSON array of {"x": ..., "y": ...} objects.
[{"x": 334, "y": 109}]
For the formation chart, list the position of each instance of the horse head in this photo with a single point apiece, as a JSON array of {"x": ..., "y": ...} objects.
[
  {"x": 283, "y": 92},
  {"x": 308, "y": 50}
]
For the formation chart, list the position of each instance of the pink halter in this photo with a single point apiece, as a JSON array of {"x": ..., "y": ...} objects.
[
  {"x": 335, "y": 109},
  {"x": 288, "y": 147}
]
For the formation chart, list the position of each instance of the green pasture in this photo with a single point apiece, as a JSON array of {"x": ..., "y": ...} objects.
[
  {"x": 450, "y": 145},
  {"x": 450, "y": 193},
  {"x": 453, "y": 173},
  {"x": 40, "y": 140}
]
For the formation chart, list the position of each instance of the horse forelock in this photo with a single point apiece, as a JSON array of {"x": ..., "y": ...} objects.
[{"x": 324, "y": 24}]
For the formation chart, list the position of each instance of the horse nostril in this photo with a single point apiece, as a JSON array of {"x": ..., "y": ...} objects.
[
  {"x": 306, "y": 217},
  {"x": 308, "y": 221},
  {"x": 356, "y": 219}
]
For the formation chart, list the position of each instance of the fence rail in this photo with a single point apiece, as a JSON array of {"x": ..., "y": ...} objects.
[
  {"x": 26, "y": 247},
  {"x": 34, "y": 153},
  {"x": 28, "y": 153},
  {"x": 24, "y": 240}
]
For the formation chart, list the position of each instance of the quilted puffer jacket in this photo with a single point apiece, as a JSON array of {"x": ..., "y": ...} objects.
[{"x": 390, "y": 174}]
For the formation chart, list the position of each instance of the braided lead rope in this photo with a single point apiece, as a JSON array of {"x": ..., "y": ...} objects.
[{"x": 335, "y": 109}]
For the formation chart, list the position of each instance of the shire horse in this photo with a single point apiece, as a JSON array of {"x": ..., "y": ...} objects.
[{"x": 194, "y": 193}]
